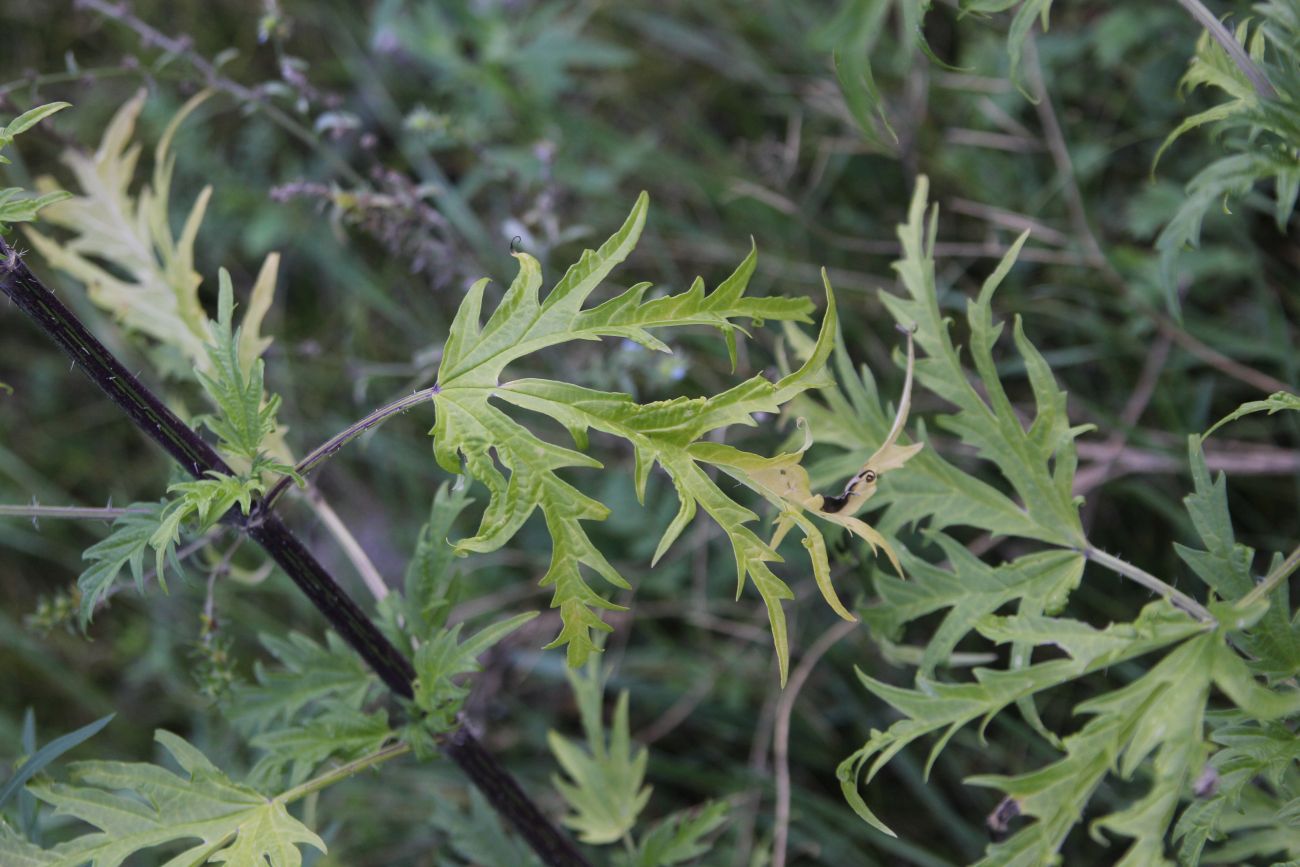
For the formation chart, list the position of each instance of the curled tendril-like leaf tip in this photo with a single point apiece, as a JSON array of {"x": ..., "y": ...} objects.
[{"x": 889, "y": 456}]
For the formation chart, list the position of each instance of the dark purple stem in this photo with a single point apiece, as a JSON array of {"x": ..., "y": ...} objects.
[{"x": 198, "y": 457}]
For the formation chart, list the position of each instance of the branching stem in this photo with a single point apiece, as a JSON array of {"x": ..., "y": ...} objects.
[
  {"x": 1140, "y": 576},
  {"x": 194, "y": 453},
  {"x": 182, "y": 47}
]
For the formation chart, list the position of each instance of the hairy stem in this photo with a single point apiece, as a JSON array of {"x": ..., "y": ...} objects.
[
  {"x": 331, "y": 446},
  {"x": 1140, "y": 576},
  {"x": 393, "y": 668},
  {"x": 342, "y": 772},
  {"x": 89, "y": 513},
  {"x": 149, "y": 414}
]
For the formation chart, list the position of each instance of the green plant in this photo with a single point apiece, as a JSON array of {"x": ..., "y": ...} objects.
[
  {"x": 467, "y": 425},
  {"x": 14, "y": 206},
  {"x": 1258, "y": 125},
  {"x": 604, "y": 787},
  {"x": 442, "y": 142},
  {"x": 856, "y": 31},
  {"x": 1150, "y": 727},
  {"x": 236, "y": 824}
]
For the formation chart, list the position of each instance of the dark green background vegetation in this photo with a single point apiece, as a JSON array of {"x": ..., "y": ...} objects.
[{"x": 542, "y": 120}]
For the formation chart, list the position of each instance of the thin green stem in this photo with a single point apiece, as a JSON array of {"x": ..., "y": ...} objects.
[
  {"x": 1140, "y": 576},
  {"x": 332, "y": 445},
  {"x": 50, "y": 78},
  {"x": 104, "y": 513},
  {"x": 1274, "y": 578},
  {"x": 342, "y": 772}
]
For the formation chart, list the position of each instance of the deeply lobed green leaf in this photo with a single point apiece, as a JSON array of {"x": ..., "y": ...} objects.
[
  {"x": 947, "y": 707},
  {"x": 474, "y": 435},
  {"x": 440, "y": 691},
  {"x": 245, "y": 415},
  {"x": 1278, "y": 401},
  {"x": 604, "y": 789},
  {"x": 308, "y": 676},
  {"x": 680, "y": 838},
  {"x": 1224, "y": 565},
  {"x": 1259, "y": 125},
  {"x": 124, "y": 547},
  {"x": 1152, "y": 727},
  {"x": 339, "y": 733},
  {"x": 138, "y": 806},
  {"x": 16, "y": 206},
  {"x": 136, "y": 266},
  {"x": 1037, "y": 462}
]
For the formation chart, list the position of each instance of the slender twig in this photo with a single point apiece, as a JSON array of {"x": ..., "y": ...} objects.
[
  {"x": 342, "y": 772},
  {"x": 210, "y": 599},
  {"x": 1057, "y": 147},
  {"x": 45, "y": 79},
  {"x": 746, "y": 810},
  {"x": 1012, "y": 220},
  {"x": 89, "y": 513},
  {"x": 153, "y": 418},
  {"x": 332, "y": 445},
  {"x": 1214, "y": 358},
  {"x": 182, "y": 47},
  {"x": 781, "y": 734},
  {"x": 681, "y": 709},
  {"x": 1250, "y": 460},
  {"x": 733, "y": 654},
  {"x": 1133, "y": 409},
  {"x": 1274, "y": 578},
  {"x": 351, "y": 547},
  {"x": 1140, "y": 576},
  {"x": 997, "y": 141},
  {"x": 1231, "y": 46}
]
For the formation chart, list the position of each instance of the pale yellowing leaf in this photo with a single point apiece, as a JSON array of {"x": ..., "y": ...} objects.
[
  {"x": 474, "y": 435},
  {"x": 123, "y": 249}
]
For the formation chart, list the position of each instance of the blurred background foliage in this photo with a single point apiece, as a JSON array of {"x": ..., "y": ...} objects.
[{"x": 394, "y": 151}]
